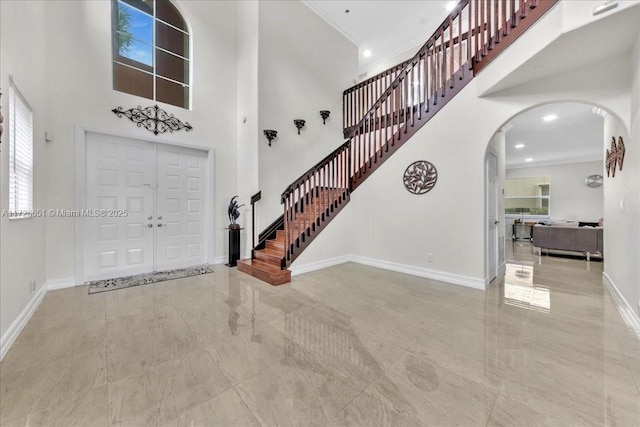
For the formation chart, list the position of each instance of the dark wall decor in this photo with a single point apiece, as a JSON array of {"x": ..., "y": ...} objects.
[
  {"x": 420, "y": 177},
  {"x": 234, "y": 231},
  {"x": 325, "y": 115},
  {"x": 270, "y": 134},
  {"x": 299, "y": 124},
  {"x": 234, "y": 211},
  {"x": 615, "y": 156},
  {"x": 154, "y": 119},
  {"x": 621, "y": 150}
]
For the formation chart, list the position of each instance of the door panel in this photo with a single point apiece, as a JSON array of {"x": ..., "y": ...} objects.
[
  {"x": 492, "y": 216},
  {"x": 163, "y": 190},
  {"x": 181, "y": 175},
  {"x": 119, "y": 175}
]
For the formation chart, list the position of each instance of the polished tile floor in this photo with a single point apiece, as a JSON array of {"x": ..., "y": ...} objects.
[{"x": 345, "y": 346}]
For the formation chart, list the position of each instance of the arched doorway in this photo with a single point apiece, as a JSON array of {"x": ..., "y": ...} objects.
[{"x": 536, "y": 170}]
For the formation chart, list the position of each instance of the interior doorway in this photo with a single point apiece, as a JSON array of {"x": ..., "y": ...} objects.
[
  {"x": 548, "y": 158},
  {"x": 492, "y": 184}
]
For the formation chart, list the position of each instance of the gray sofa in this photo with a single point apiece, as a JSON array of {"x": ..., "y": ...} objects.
[{"x": 587, "y": 240}]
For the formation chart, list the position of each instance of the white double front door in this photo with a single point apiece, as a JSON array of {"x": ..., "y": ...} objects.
[{"x": 150, "y": 199}]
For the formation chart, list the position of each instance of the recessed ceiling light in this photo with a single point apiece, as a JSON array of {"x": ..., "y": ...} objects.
[
  {"x": 519, "y": 146},
  {"x": 451, "y": 5},
  {"x": 528, "y": 159},
  {"x": 366, "y": 53},
  {"x": 550, "y": 117}
]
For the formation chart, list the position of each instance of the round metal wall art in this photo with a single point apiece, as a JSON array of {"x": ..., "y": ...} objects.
[{"x": 420, "y": 177}]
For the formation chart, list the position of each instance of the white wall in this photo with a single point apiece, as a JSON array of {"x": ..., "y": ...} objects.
[
  {"x": 22, "y": 241},
  {"x": 304, "y": 65},
  {"x": 570, "y": 198},
  {"x": 247, "y": 120},
  {"x": 392, "y": 225},
  {"x": 622, "y": 200},
  {"x": 79, "y": 93}
]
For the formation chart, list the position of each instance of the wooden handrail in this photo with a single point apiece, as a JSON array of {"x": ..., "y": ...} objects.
[
  {"x": 314, "y": 168},
  {"x": 378, "y": 76},
  {"x": 357, "y": 100},
  {"x": 432, "y": 43}
]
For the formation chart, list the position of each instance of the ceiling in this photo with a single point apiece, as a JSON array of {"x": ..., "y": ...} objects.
[
  {"x": 575, "y": 136},
  {"x": 386, "y": 28}
]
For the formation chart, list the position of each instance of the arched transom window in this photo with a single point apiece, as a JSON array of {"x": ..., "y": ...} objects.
[{"x": 151, "y": 51}]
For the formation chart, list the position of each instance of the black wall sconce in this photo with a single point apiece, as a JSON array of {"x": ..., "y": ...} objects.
[
  {"x": 270, "y": 134},
  {"x": 325, "y": 115},
  {"x": 299, "y": 124}
]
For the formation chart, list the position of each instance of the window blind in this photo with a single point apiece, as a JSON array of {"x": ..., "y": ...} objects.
[{"x": 20, "y": 155}]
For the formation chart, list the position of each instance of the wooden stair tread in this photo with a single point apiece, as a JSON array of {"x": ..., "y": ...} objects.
[
  {"x": 265, "y": 272},
  {"x": 273, "y": 252},
  {"x": 275, "y": 245}
]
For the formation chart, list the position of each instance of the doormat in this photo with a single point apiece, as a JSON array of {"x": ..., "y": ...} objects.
[{"x": 144, "y": 279}]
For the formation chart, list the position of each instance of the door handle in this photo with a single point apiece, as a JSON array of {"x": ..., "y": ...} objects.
[
  {"x": 159, "y": 217},
  {"x": 496, "y": 222},
  {"x": 149, "y": 217},
  {"x": 150, "y": 225},
  {"x": 160, "y": 225}
]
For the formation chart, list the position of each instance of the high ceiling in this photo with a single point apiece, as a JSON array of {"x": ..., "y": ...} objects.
[{"x": 386, "y": 28}]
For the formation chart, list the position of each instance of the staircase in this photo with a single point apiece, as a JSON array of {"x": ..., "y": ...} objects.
[{"x": 380, "y": 115}]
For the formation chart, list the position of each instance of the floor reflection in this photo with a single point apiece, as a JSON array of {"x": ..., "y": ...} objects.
[
  {"x": 519, "y": 289},
  {"x": 349, "y": 345}
]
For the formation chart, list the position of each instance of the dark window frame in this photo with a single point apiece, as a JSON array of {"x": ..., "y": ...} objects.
[{"x": 168, "y": 81}]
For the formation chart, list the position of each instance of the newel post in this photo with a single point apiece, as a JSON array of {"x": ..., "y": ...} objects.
[{"x": 254, "y": 199}]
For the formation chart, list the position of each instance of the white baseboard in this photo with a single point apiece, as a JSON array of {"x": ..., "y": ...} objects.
[
  {"x": 627, "y": 313},
  {"x": 16, "y": 327},
  {"x": 69, "y": 282},
  {"x": 456, "y": 279},
  {"x": 317, "y": 265},
  {"x": 220, "y": 260},
  {"x": 501, "y": 271}
]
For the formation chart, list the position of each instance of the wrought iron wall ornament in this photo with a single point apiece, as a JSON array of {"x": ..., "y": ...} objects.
[
  {"x": 325, "y": 115},
  {"x": 420, "y": 177},
  {"x": 607, "y": 163},
  {"x": 615, "y": 156},
  {"x": 154, "y": 119},
  {"x": 299, "y": 124},
  {"x": 270, "y": 134},
  {"x": 620, "y": 154}
]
